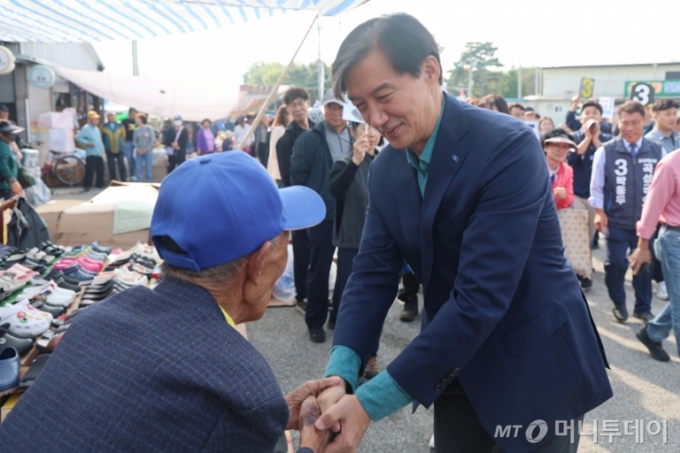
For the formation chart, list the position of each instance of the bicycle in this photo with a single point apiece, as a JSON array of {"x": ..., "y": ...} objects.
[{"x": 69, "y": 169}]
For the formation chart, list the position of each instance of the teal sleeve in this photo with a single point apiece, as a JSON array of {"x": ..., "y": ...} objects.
[
  {"x": 382, "y": 396},
  {"x": 346, "y": 363}
]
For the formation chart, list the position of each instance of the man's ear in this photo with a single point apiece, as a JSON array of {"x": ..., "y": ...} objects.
[
  {"x": 431, "y": 69},
  {"x": 255, "y": 264}
]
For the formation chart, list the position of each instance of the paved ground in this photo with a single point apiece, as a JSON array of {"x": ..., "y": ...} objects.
[{"x": 643, "y": 388}]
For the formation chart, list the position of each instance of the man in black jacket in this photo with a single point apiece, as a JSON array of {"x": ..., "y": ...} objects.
[
  {"x": 297, "y": 103},
  {"x": 313, "y": 156}
]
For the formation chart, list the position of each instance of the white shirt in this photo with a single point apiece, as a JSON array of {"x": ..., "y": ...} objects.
[
  {"x": 596, "y": 199},
  {"x": 240, "y": 133}
]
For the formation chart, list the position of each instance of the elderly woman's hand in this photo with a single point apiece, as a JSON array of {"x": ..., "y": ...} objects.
[
  {"x": 310, "y": 436},
  {"x": 300, "y": 394}
]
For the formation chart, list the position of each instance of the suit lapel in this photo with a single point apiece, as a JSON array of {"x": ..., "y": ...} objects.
[
  {"x": 447, "y": 158},
  {"x": 407, "y": 194}
]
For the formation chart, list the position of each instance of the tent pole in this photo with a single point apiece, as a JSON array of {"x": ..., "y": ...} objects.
[
  {"x": 319, "y": 65},
  {"x": 135, "y": 65},
  {"x": 274, "y": 91}
]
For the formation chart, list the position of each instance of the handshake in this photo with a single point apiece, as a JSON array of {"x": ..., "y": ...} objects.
[{"x": 329, "y": 420}]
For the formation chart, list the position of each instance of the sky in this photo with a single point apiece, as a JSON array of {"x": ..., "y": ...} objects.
[{"x": 541, "y": 33}]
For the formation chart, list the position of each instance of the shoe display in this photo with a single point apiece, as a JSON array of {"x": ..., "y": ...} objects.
[
  {"x": 9, "y": 370},
  {"x": 51, "y": 294},
  {"x": 654, "y": 347},
  {"x": 662, "y": 291}
]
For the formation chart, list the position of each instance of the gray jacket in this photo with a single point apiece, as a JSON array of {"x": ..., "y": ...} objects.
[
  {"x": 144, "y": 138},
  {"x": 349, "y": 185}
]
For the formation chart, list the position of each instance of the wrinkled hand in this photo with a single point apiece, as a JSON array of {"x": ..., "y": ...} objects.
[
  {"x": 639, "y": 257},
  {"x": 310, "y": 436},
  {"x": 300, "y": 394},
  {"x": 353, "y": 420}
]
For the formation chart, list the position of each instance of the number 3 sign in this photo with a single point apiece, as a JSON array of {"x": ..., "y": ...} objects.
[{"x": 643, "y": 93}]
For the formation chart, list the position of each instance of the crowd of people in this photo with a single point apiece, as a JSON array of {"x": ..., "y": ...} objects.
[{"x": 128, "y": 145}]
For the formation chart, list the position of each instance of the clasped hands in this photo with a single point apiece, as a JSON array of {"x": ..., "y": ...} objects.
[{"x": 329, "y": 420}]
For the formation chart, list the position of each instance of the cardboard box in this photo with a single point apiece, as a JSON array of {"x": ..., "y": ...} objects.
[
  {"x": 51, "y": 211},
  {"x": 94, "y": 220}
]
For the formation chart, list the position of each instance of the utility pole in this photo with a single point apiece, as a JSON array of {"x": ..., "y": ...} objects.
[
  {"x": 321, "y": 77},
  {"x": 519, "y": 81},
  {"x": 135, "y": 65}
]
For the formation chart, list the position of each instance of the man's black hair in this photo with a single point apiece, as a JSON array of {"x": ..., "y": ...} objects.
[
  {"x": 294, "y": 93},
  {"x": 664, "y": 104},
  {"x": 592, "y": 103},
  {"x": 405, "y": 41}
]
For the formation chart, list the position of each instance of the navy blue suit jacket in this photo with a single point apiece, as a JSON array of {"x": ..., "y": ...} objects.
[
  {"x": 503, "y": 309},
  {"x": 147, "y": 371}
]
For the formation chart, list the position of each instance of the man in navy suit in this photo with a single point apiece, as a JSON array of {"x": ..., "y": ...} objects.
[{"x": 463, "y": 196}]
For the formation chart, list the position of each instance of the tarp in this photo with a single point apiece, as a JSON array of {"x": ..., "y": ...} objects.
[
  {"x": 108, "y": 20},
  {"x": 194, "y": 101}
]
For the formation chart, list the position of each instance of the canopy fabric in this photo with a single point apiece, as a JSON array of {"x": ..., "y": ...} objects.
[
  {"x": 108, "y": 20},
  {"x": 193, "y": 101}
]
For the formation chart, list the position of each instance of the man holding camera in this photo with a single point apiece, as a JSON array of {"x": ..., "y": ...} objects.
[
  {"x": 622, "y": 175},
  {"x": 589, "y": 138}
]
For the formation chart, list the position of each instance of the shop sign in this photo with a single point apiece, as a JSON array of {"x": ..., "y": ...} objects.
[
  {"x": 662, "y": 88},
  {"x": 6, "y": 60},
  {"x": 41, "y": 76}
]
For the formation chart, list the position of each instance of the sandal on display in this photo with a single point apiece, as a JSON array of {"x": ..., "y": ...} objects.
[
  {"x": 24, "y": 320},
  {"x": 10, "y": 365},
  {"x": 7, "y": 340},
  {"x": 34, "y": 370}
]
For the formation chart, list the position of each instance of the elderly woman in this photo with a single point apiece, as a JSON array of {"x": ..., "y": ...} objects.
[
  {"x": 557, "y": 144},
  {"x": 349, "y": 185},
  {"x": 205, "y": 139}
]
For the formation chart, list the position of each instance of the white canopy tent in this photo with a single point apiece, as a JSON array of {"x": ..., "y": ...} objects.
[
  {"x": 194, "y": 101},
  {"x": 107, "y": 20},
  {"x": 85, "y": 21}
]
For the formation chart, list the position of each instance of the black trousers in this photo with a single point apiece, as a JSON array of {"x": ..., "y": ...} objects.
[
  {"x": 345, "y": 260},
  {"x": 300, "y": 262},
  {"x": 321, "y": 250},
  {"x": 113, "y": 160},
  {"x": 176, "y": 160},
  {"x": 94, "y": 164},
  {"x": 457, "y": 429}
]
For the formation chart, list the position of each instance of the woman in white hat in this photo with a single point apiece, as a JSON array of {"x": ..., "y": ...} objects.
[{"x": 557, "y": 144}]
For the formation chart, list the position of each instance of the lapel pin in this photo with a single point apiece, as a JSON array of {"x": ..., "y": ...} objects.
[{"x": 454, "y": 158}]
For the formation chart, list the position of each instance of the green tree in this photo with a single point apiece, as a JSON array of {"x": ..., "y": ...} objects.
[
  {"x": 508, "y": 84},
  {"x": 478, "y": 57},
  {"x": 262, "y": 73}
]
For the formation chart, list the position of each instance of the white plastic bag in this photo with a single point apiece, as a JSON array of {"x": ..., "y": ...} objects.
[{"x": 284, "y": 288}]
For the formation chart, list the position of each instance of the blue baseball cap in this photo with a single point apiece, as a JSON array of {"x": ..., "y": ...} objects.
[{"x": 224, "y": 206}]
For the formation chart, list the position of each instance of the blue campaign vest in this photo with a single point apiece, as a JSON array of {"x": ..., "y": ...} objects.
[{"x": 627, "y": 180}]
